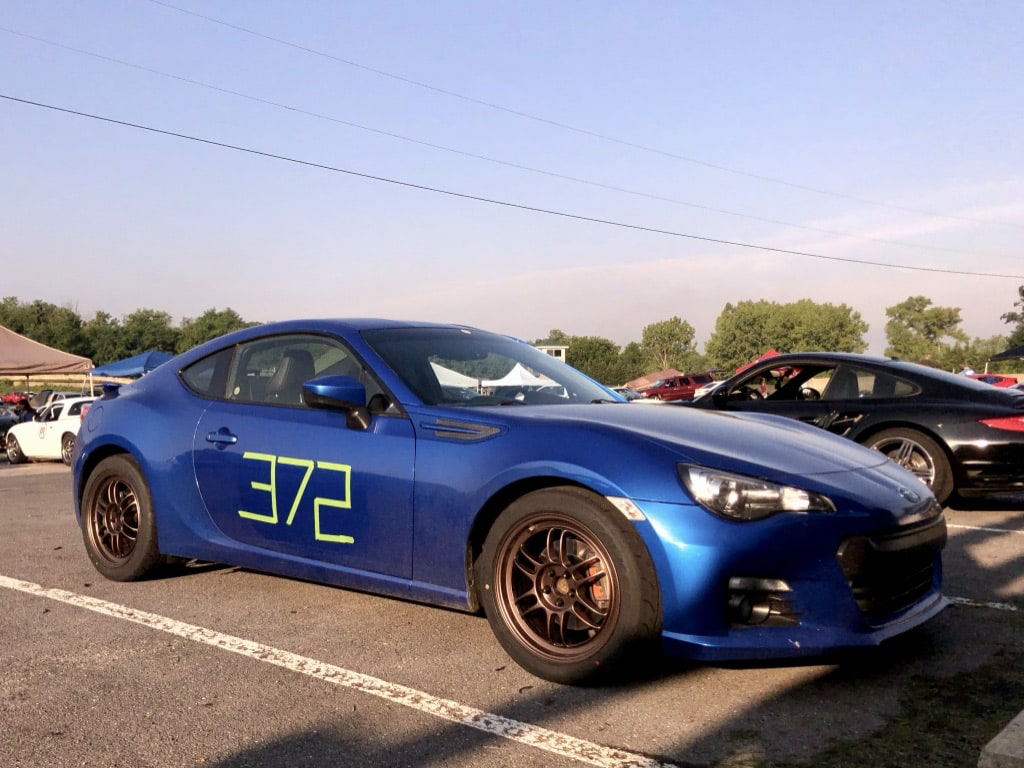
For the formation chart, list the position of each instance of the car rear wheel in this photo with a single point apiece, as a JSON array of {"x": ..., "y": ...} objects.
[
  {"x": 67, "y": 448},
  {"x": 118, "y": 525},
  {"x": 14, "y": 453},
  {"x": 568, "y": 587},
  {"x": 920, "y": 454}
]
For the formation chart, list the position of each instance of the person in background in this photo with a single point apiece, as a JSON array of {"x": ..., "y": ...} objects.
[
  {"x": 24, "y": 411},
  {"x": 967, "y": 371}
]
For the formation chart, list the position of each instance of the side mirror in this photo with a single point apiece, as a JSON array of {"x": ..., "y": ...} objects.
[{"x": 341, "y": 393}]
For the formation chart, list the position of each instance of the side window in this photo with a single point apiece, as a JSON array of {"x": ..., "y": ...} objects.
[
  {"x": 887, "y": 385},
  {"x": 273, "y": 370},
  {"x": 843, "y": 385},
  {"x": 208, "y": 377}
]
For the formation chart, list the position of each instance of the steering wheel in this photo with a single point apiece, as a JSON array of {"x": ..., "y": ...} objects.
[
  {"x": 751, "y": 393},
  {"x": 809, "y": 393}
]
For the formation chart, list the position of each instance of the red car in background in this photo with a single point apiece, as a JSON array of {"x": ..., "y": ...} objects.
[
  {"x": 14, "y": 397},
  {"x": 679, "y": 387},
  {"x": 995, "y": 379}
]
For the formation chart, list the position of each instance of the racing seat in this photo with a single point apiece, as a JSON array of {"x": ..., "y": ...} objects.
[{"x": 285, "y": 386}]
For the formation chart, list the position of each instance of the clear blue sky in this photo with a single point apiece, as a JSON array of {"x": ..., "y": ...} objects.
[{"x": 872, "y": 131}]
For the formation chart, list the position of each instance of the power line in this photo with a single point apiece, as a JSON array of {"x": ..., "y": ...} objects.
[
  {"x": 566, "y": 126},
  {"x": 492, "y": 201},
  {"x": 475, "y": 156}
]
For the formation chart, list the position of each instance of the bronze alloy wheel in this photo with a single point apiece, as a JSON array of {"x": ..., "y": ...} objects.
[
  {"x": 114, "y": 520},
  {"x": 118, "y": 526},
  {"x": 568, "y": 586},
  {"x": 557, "y": 586}
]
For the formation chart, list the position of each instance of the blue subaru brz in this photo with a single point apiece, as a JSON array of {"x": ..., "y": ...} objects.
[{"x": 462, "y": 468}]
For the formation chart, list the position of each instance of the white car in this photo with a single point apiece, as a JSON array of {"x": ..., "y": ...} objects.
[
  {"x": 51, "y": 434},
  {"x": 711, "y": 386}
]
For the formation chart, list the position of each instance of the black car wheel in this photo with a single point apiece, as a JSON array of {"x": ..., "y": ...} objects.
[
  {"x": 918, "y": 453},
  {"x": 14, "y": 453},
  {"x": 67, "y": 448},
  {"x": 117, "y": 520},
  {"x": 568, "y": 587}
]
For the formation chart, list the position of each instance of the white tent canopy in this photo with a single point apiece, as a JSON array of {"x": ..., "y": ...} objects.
[
  {"x": 446, "y": 377},
  {"x": 520, "y": 377}
]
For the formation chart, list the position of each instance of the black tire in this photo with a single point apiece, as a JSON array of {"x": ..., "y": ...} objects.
[
  {"x": 568, "y": 587},
  {"x": 118, "y": 525},
  {"x": 14, "y": 453},
  {"x": 919, "y": 454},
  {"x": 67, "y": 448}
]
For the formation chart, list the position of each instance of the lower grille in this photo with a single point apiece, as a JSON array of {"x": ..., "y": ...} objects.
[{"x": 889, "y": 571}]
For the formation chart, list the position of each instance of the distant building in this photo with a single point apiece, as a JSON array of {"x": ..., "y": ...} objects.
[{"x": 555, "y": 350}]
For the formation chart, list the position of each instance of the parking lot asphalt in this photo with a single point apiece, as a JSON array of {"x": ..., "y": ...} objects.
[{"x": 50, "y": 683}]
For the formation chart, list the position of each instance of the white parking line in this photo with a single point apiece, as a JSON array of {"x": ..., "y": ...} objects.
[
  {"x": 983, "y": 528},
  {"x": 983, "y": 604},
  {"x": 531, "y": 735}
]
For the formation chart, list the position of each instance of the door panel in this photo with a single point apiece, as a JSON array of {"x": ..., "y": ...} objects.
[{"x": 297, "y": 480}]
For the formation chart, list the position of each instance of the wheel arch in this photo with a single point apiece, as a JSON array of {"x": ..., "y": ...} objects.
[
  {"x": 89, "y": 464},
  {"x": 499, "y": 501}
]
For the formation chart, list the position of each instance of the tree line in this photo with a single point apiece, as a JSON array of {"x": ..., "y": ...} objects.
[{"x": 915, "y": 330}]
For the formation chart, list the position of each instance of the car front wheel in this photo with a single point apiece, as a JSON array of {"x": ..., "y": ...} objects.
[
  {"x": 118, "y": 525},
  {"x": 920, "y": 454},
  {"x": 568, "y": 587},
  {"x": 14, "y": 453}
]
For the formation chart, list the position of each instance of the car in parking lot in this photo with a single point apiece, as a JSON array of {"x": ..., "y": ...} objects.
[
  {"x": 50, "y": 434},
  {"x": 995, "y": 379},
  {"x": 680, "y": 387},
  {"x": 8, "y": 418},
  {"x": 590, "y": 532},
  {"x": 958, "y": 435}
]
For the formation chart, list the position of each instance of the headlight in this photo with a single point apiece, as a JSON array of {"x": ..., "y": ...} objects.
[{"x": 739, "y": 497}]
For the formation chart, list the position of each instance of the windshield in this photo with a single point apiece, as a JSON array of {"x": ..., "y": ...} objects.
[{"x": 467, "y": 367}]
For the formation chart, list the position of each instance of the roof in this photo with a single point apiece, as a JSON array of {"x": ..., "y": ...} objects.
[
  {"x": 1013, "y": 353},
  {"x": 21, "y": 356}
]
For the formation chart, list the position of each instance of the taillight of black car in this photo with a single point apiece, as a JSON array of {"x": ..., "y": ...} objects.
[{"x": 1008, "y": 423}]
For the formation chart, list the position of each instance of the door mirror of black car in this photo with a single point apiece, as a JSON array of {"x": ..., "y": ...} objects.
[{"x": 342, "y": 393}]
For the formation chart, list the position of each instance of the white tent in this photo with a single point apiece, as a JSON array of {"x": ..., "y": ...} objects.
[
  {"x": 520, "y": 377},
  {"x": 446, "y": 377}
]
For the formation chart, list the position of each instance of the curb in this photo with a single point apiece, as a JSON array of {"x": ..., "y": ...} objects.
[{"x": 1006, "y": 750}]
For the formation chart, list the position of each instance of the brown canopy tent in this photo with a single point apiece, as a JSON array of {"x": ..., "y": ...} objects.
[{"x": 20, "y": 356}]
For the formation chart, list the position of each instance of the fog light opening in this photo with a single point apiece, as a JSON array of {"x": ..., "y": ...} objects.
[{"x": 754, "y": 602}]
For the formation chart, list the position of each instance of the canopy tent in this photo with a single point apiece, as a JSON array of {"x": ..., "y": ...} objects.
[
  {"x": 1013, "y": 353},
  {"x": 133, "y": 366},
  {"x": 446, "y": 377},
  {"x": 20, "y": 356},
  {"x": 519, "y": 377}
]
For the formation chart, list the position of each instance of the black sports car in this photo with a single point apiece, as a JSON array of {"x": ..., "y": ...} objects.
[{"x": 960, "y": 436}]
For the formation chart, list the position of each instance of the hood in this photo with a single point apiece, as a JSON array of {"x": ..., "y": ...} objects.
[{"x": 772, "y": 447}]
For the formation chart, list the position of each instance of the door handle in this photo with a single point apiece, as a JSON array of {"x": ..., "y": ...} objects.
[{"x": 221, "y": 437}]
